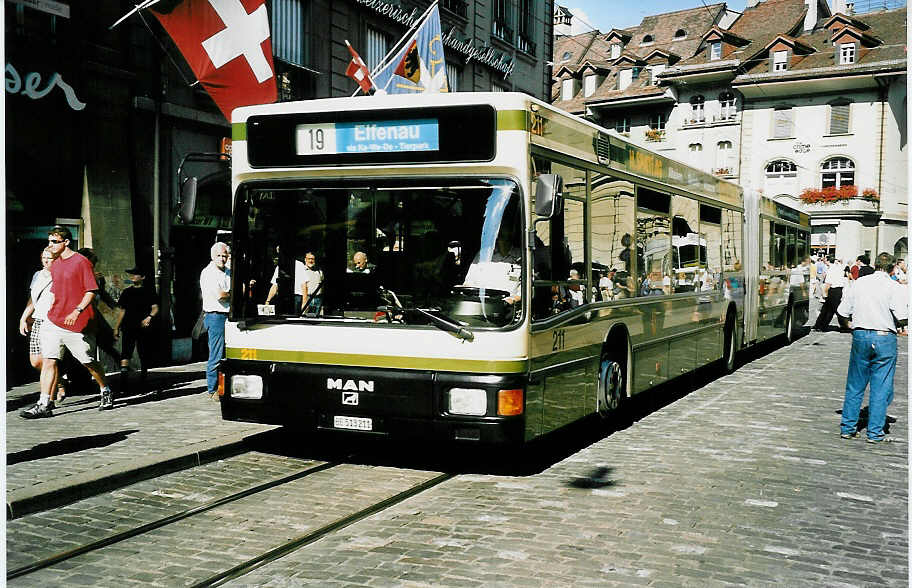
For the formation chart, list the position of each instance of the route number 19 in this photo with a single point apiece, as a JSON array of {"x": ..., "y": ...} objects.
[{"x": 318, "y": 139}]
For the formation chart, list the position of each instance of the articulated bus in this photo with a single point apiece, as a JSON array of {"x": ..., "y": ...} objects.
[{"x": 453, "y": 248}]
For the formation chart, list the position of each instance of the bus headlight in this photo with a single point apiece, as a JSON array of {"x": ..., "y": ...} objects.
[
  {"x": 471, "y": 401},
  {"x": 247, "y": 387}
]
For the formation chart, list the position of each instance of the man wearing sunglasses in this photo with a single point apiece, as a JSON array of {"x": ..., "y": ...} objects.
[{"x": 74, "y": 287}]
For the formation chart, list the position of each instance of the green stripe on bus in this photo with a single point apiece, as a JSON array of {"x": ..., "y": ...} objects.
[
  {"x": 512, "y": 120},
  {"x": 239, "y": 131},
  {"x": 478, "y": 366}
]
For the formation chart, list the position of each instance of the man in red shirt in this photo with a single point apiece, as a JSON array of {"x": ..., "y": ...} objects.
[{"x": 74, "y": 287}]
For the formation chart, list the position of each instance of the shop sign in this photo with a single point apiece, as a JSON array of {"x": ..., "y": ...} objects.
[
  {"x": 484, "y": 54},
  {"x": 49, "y": 6},
  {"x": 31, "y": 86}
]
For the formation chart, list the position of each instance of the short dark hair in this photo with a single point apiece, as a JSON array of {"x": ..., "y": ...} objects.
[
  {"x": 62, "y": 232},
  {"x": 89, "y": 254},
  {"x": 884, "y": 262},
  {"x": 864, "y": 259}
]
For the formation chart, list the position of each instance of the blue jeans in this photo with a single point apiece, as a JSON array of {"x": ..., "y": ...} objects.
[
  {"x": 215, "y": 325},
  {"x": 872, "y": 360}
]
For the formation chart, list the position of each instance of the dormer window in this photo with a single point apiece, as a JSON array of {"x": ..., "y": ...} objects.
[
  {"x": 615, "y": 50},
  {"x": 590, "y": 83},
  {"x": 566, "y": 56},
  {"x": 846, "y": 53},
  {"x": 680, "y": 34},
  {"x": 625, "y": 77},
  {"x": 568, "y": 89},
  {"x": 780, "y": 60},
  {"x": 715, "y": 50},
  {"x": 647, "y": 40}
]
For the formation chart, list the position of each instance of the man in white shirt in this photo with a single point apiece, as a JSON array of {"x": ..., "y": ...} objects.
[
  {"x": 313, "y": 279},
  {"x": 299, "y": 268},
  {"x": 835, "y": 282},
  {"x": 215, "y": 286},
  {"x": 876, "y": 304},
  {"x": 606, "y": 285}
]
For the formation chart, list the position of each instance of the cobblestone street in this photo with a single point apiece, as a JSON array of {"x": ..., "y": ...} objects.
[{"x": 742, "y": 481}]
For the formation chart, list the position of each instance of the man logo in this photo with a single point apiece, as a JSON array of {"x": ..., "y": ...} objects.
[
  {"x": 359, "y": 386},
  {"x": 350, "y": 398}
]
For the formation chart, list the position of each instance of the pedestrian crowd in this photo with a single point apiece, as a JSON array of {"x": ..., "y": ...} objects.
[{"x": 63, "y": 323}]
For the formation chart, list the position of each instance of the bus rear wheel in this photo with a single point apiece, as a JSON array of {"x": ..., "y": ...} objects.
[
  {"x": 790, "y": 324},
  {"x": 612, "y": 386}
]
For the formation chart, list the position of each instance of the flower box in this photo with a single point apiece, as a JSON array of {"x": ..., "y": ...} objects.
[{"x": 832, "y": 194}]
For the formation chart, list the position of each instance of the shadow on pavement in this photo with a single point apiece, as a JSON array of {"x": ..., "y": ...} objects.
[
  {"x": 65, "y": 446},
  {"x": 167, "y": 385},
  {"x": 525, "y": 460}
]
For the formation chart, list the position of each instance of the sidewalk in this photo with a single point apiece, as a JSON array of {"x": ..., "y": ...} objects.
[{"x": 82, "y": 451}]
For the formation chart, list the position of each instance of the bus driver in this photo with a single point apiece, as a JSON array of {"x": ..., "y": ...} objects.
[{"x": 504, "y": 269}]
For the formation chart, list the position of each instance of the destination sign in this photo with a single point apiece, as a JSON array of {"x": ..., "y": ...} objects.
[{"x": 380, "y": 136}]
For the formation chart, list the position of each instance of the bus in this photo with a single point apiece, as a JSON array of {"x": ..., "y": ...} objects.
[{"x": 428, "y": 266}]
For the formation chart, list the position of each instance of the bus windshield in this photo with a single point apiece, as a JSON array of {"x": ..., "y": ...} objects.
[{"x": 386, "y": 252}]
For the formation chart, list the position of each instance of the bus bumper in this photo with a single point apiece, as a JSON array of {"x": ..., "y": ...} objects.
[{"x": 368, "y": 402}]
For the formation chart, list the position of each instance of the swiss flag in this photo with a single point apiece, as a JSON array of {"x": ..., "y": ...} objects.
[
  {"x": 357, "y": 70},
  {"x": 227, "y": 45}
]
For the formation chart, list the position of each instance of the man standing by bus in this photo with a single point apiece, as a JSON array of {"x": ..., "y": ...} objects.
[
  {"x": 215, "y": 286},
  {"x": 73, "y": 285},
  {"x": 877, "y": 305}
]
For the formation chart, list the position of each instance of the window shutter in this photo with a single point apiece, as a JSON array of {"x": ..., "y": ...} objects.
[
  {"x": 782, "y": 123},
  {"x": 839, "y": 119}
]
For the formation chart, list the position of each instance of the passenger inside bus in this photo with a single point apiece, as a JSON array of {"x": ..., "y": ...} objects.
[{"x": 500, "y": 268}]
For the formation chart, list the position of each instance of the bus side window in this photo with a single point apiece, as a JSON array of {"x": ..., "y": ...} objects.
[
  {"x": 653, "y": 243},
  {"x": 612, "y": 226},
  {"x": 732, "y": 224},
  {"x": 711, "y": 234}
]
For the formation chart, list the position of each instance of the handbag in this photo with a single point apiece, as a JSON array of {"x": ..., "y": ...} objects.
[{"x": 200, "y": 327}]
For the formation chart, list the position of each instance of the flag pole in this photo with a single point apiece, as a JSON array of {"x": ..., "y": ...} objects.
[
  {"x": 137, "y": 8},
  {"x": 398, "y": 45}
]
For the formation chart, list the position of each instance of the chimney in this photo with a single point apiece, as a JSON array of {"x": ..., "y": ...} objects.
[
  {"x": 840, "y": 6},
  {"x": 810, "y": 19},
  {"x": 562, "y": 18}
]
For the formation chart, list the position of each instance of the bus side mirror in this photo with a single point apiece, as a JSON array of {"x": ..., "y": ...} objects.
[
  {"x": 548, "y": 201},
  {"x": 188, "y": 199}
]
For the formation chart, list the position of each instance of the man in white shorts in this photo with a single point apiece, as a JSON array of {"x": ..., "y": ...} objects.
[{"x": 74, "y": 287}]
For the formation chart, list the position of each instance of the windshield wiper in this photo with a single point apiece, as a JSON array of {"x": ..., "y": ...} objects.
[{"x": 441, "y": 321}]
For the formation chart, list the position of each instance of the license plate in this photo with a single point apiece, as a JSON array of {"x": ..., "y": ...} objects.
[{"x": 356, "y": 423}]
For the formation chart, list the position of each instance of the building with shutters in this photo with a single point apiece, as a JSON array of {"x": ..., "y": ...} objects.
[{"x": 795, "y": 99}]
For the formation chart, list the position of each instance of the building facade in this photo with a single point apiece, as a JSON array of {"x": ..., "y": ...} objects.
[
  {"x": 794, "y": 99},
  {"x": 99, "y": 120}
]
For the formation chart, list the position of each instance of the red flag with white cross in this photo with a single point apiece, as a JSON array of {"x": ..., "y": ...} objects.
[
  {"x": 227, "y": 45},
  {"x": 357, "y": 70}
]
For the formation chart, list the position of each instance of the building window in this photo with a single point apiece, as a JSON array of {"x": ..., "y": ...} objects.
[
  {"x": 452, "y": 77},
  {"x": 525, "y": 41},
  {"x": 568, "y": 89},
  {"x": 503, "y": 21},
  {"x": 695, "y": 147},
  {"x": 654, "y": 72},
  {"x": 697, "y": 111},
  {"x": 783, "y": 123},
  {"x": 647, "y": 40},
  {"x": 622, "y": 125},
  {"x": 625, "y": 77},
  {"x": 377, "y": 46},
  {"x": 781, "y": 168},
  {"x": 846, "y": 53},
  {"x": 566, "y": 56},
  {"x": 715, "y": 50},
  {"x": 839, "y": 118},
  {"x": 680, "y": 34},
  {"x": 723, "y": 158},
  {"x": 496, "y": 88},
  {"x": 615, "y": 50},
  {"x": 657, "y": 121},
  {"x": 837, "y": 172},
  {"x": 590, "y": 83},
  {"x": 727, "y": 106},
  {"x": 289, "y": 30},
  {"x": 780, "y": 60}
]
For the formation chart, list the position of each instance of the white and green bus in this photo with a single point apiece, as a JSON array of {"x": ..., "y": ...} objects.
[{"x": 482, "y": 267}]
